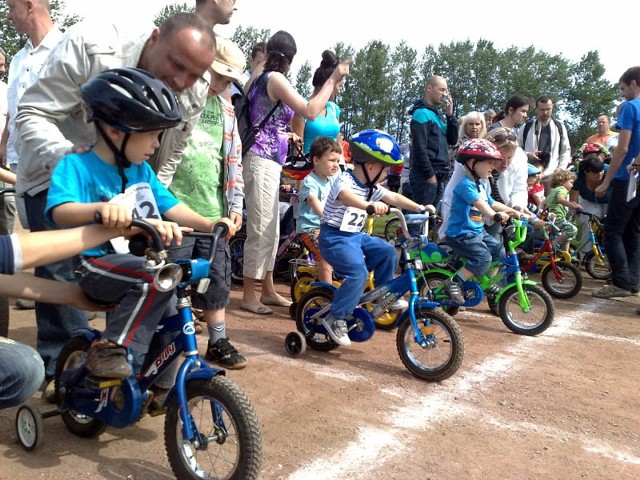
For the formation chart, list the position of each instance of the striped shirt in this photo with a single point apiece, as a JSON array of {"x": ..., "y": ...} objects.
[{"x": 334, "y": 209}]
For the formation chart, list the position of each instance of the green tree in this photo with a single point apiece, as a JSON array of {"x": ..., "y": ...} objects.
[
  {"x": 169, "y": 10},
  {"x": 303, "y": 80},
  {"x": 407, "y": 83}
]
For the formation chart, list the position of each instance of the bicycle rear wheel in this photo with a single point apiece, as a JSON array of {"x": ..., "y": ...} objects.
[{"x": 236, "y": 250}]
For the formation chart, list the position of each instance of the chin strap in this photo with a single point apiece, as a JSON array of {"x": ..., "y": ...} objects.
[
  {"x": 473, "y": 173},
  {"x": 121, "y": 160},
  {"x": 371, "y": 183}
]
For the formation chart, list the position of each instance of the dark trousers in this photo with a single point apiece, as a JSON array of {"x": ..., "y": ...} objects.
[{"x": 622, "y": 237}]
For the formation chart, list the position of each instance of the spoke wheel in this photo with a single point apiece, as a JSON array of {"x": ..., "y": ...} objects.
[
  {"x": 565, "y": 281},
  {"x": 533, "y": 322},
  {"x": 442, "y": 355},
  {"x": 228, "y": 441},
  {"x": 236, "y": 250},
  {"x": 600, "y": 270}
]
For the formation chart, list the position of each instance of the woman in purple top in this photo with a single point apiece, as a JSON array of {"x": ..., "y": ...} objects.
[{"x": 262, "y": 164}]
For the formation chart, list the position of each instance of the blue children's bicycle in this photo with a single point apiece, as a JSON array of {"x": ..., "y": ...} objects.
[
  {"x": 429, "y": 341},
  {"x": 211, "y": 428}
]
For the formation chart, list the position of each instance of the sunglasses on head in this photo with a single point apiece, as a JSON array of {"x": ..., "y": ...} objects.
[{"x": 503, "y": 137}]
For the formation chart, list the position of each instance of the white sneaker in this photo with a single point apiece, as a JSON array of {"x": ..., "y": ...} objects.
[
  {"x": 337, "y": 330},
  {"x": 399, "y": 304}
]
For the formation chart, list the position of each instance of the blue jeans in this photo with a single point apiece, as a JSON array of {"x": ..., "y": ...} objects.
[
  {"x": 344, "y": 252},
  {"x": 479, "y": 250},
  {"x": 56, "y": 323},
  {"x": 21, "y": 372},
  {"x": 622, "y": 237}
]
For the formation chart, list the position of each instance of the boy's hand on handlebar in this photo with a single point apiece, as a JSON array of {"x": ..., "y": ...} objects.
[
  {"x": 231, "y": 225},
  {"x": 501, "y": 217},
  {"x": 431, "y": 209},
  {"x": 379, "y": 208},
  {"x": 168, "y": 231},
  {"x": 115, "y": 216}
]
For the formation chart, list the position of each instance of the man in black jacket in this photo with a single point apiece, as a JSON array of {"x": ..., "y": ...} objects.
[{"x": 431, "y": 136}]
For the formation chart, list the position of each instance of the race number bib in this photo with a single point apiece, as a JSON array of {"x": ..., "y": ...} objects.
[
  {"x": 353, "y": 220},
  {"x": 140, "y": 200}
]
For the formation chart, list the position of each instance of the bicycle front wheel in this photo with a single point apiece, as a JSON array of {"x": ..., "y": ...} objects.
[
  {"x": 442, "y": 355},
  {"x": 563, "y": 281},
  {"x": 596, "y": 267},
  {"x": 228, "y": 441},
  {"x": 532, "y": 322}
]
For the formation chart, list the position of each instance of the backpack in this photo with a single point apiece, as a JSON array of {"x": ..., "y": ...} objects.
[{"x": 241, "y": 106}]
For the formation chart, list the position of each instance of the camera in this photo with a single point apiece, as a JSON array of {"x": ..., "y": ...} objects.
[{"x": 545, "y": 158}]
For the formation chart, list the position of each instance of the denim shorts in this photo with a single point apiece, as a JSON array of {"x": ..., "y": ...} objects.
[{"x": 478, "y": 249}]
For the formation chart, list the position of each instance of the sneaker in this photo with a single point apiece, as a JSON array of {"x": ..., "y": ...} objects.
[
  {"x": 25, "y": 304},
  {"x": 49, "y": 393},
  {"x": 491, "y": 293},
  {"x": 337, "y": 330},
  {"x": 454, "y": 291},
  {"x": 105, "y": 359},
  {"x": 611, "y": 291},
  {"x": 400, "y": 304},
  {"x": 225, "y": 355}
]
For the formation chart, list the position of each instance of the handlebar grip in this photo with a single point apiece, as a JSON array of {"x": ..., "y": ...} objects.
[
  {"x": 97, "y": 217},
  {"x": 370, "y": 209},
  {"x": 220, "y": 229}
]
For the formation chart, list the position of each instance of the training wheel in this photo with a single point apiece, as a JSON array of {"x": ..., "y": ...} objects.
[
  {"x": 295, "y": 343},
  {"x": 29, "y": 426}
]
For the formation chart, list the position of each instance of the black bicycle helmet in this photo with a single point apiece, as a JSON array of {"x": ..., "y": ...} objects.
[{"x": 131, "y": 100}]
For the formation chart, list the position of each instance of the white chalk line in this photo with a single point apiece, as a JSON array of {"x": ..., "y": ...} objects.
[{"x": 418, "y": 408}]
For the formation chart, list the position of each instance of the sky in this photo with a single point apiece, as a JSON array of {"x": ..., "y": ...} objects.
[{"x": 562, "y": 27}]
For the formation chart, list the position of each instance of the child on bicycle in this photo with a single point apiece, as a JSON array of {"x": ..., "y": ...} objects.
[
  {"x": 325, "y": 155},
  {"x": 351, "y": 252},
  {"x": 559, "y": 204},
  {"x": 130, "y": 109},
  {"x": 470, "y": 204}
]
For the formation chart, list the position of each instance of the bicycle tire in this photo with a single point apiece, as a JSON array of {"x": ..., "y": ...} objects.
[
  {"x": 441, "y": 329},
  {"x": 595, "y": 269},
  {"x": 231, "y": 442},
  {"x": 567, "y": 286},
  {"x": 73, "y": 355},
  {"x": 236, "y": 251},
  {"x": 430, "y": 282},
  {"x": 312, "y": 301},
  {"x": 512, "y": 315}
]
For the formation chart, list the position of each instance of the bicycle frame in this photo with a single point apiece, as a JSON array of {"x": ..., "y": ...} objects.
[
  {"x": 508, "y": 275},
  {"x": 79, "y": 387},
  {"x": 364, "y": 326}
]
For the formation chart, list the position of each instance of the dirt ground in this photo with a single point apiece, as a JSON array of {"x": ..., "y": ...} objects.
[{"x": 563, "y": 405}]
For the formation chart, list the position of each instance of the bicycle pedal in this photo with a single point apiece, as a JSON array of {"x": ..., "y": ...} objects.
[{"x": 98, "y": 383}]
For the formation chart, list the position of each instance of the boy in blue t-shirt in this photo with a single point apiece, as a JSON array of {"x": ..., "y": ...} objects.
[
  {"x": 130, "y": 109},
  {"x": 470, "y": 204},
  {"x": 343, "y": 244},
  {"x": 325, "y": 155}
]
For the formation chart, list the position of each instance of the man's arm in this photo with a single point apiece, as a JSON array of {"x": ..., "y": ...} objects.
[{"x": 564, "y": 152}]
